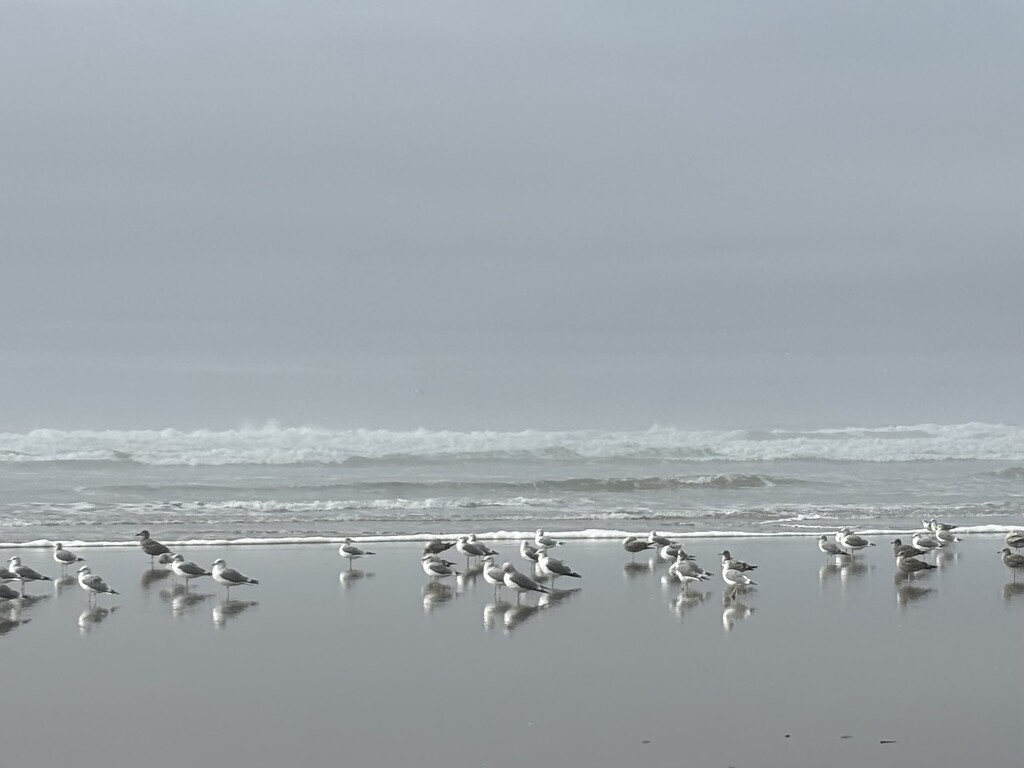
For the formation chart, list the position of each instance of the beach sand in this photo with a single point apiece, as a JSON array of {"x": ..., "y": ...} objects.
[{"x": 819, "y": 665}]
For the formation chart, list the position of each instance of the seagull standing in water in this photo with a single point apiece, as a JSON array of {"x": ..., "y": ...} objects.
[
  {"x": 23, "y": 573},
  {"x": 436, "y": 546},
  {"x": 93, "y": 584},
  {"x": 435, "y": 567},
  {"x": 554, "y": 568},
  {"x": 830, "y": 548},
  {"x": 493, "y": 574},
  {"x": 911, "y": 565},
  {"x": 729, "y": 563},
  {"x": 542, "y": 540},
  {"x": 351, "y": 551},
  {"x": 229, "y": 577},
  {"x": 736, "y": 579},
  {"x": 187, "y": 570},
  {"x": 1012, "y": 561},
  {"x": 852, "y": 541},
  {"x": 633, "y": 545},
  {"x": 686, "y": 570},
  {"x": 1015, "y": 539},
  {"x": 151, "y": 547},
  {"x": 520, "y": 582},
  {"x": 65, "y": 557}
]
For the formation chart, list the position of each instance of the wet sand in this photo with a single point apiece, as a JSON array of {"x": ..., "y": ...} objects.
[{"x": 821, "y": 664}]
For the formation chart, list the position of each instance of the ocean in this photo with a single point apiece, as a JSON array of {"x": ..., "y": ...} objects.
[{"x": 279, "y": 484}]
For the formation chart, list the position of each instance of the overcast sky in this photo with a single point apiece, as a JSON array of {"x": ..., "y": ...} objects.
[{"x": 483, "y": 215}]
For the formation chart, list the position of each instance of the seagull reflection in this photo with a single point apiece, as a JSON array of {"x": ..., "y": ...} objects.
[
  {"x": 494, "y": 611},
  {"x": 182, "y": 600},
  {"x": 9, "y": 625},
  {"x": 468, "y": 578},
  {"x": 828, "y": 571},
  {"x": 732, "y": 612},
  {"x": 152, "y": 576},
  {"x": 516, "y": 615},
  {"x": 556, "y": 596},
  {"x": 852, "y": 569},
  {"x": 684, "y": 601},
  {"x": 636, "y": 569},
  {"x": 907, "y": 593},
  {"x": 1012, "y": 589},
  {"x": 436, "y": 593},
  {"x": 350, "y": 578},
  {"x": 59, "y": 585},
  {"x": 90, "y": 617},
  {"x": 228, "y": 609},
  {"x": 944, "y": 558}
]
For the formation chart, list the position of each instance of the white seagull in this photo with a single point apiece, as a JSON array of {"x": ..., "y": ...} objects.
[
  {"x": 23, "y": 573},
  {"x": 351, "y": 551},
  {"x": 830, "y": 548},
  {"x": 736, "y": 580},
  {"x": 435, "y": 567},
  {"x": 93, "y": 584},
  {"x": 852, "y": 541},
  {"x": 187, "y": 570},
  {"x": 520, "y": 582},
  {"x": 542, "y": 540},
  {"x": 229, "y": 577},
  {"x": 549, "y": 566},
  {"x": 65, "y": 557},
  {"x": 493, "y": 574}
]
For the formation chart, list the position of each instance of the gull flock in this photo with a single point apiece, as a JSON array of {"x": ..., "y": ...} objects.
[{"x": 537, "y": 574}]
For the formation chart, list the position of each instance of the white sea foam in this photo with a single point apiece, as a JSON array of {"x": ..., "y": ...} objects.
[{"x": 295, "y": 445}]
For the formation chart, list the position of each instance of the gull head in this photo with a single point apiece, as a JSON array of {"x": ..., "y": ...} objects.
[
  {"x": 218, "y": 561},
  {"x": 85, "y": 569},
  {"x": 144, "y": 534}
]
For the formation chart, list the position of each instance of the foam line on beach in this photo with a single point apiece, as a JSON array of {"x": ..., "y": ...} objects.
[{"x": 590, "y": 534}]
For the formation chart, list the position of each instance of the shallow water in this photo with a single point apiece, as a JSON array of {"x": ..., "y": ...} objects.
[{"x": 820, "y": 664}]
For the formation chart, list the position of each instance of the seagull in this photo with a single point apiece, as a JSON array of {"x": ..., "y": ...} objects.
[
  {"x": 493, "y": 574},
  {"x": 93, "y": 584},
  {"x": 687, "y": 570},
  {"x": 529, "y": 552},
  {"x": 64, "y": 557},
  {"x": 911, "y": 565},
  {"x": 351, "y": 551},
  {"x": 935, "y": 526},
  {"x": 945, "y": 536},
  {"x": 899, "y": 548},
  {"x": 554, "y": 568},
  {"x": 852, "y": 541},
  {"x": 520, "y": 582},
  {"x": 670, "y": 552},
  {"x": 1015, "y": 539},
  {"x": 1012, "y": 561},
  {"x": 730, "y": 564},
  {"x": 633, "y": 545},
  {"x": 436, "y": 546},
  {"x": 480, "y": 545},
  {"x": 661, "y": 541},
  {"x": 229, "y": 577},
  {"x": 469, "y": 549},
  {"x": 6, "y": 593},
  {"x": 926, "y": 541},
  {"x": 187, "y": 570},
  {"x": 151, "y": 547},
  {"x": 6, "y": 575},
  {"x": 736, "y": 579},
  {"x": 23, "y": 573},
  {"x": 435, "y": 567},
  {"x": 545, "y": 541},
  {"x": 830, "y": 548}
]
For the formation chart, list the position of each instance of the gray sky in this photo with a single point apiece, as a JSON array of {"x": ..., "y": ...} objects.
[{"x": 510, "y": 215}]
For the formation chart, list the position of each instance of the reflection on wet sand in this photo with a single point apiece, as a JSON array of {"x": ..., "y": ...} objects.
[
  {"x": 494, "y": 611},
  {"x": 9, "y": 625},
  {"x": 1012, "y": 589},
  {"x": 734, "y": 611},
  {"x": 153, "y": 576},
  {"x": 946, "y": 557},
  {"x": 468, "y": 578},
  {"x": 911, "y": 593},
  {"x": 516, "y": 615},
  {"x": 350, "y": 578},
  {"x": 436, "y": 593},
  {"x": 637, "y": 569},
  {"x": 182, "y": 600},
  {"x": 91, "y": 617},
  {"x": 59, "y": 585},
  {"x": 684, "y": 601},
  {"x": 229, "y": 609}
]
